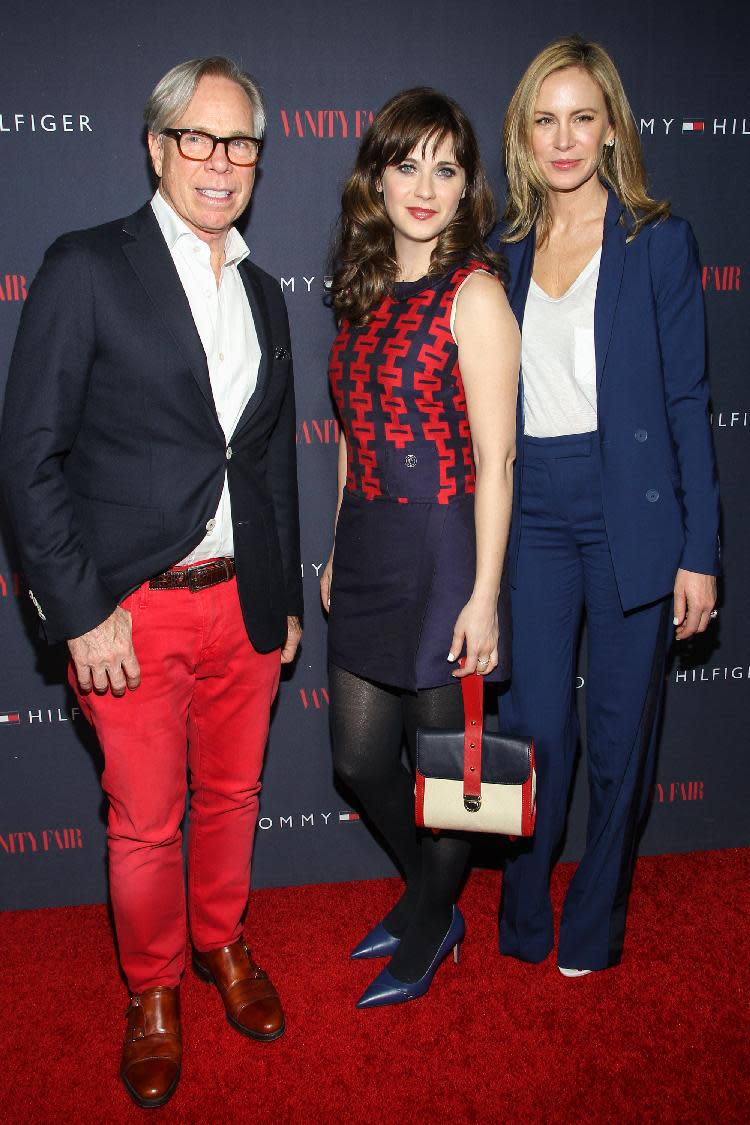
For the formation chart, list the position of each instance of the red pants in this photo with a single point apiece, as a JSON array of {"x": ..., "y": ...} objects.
[{"x": 203, "y": 704}]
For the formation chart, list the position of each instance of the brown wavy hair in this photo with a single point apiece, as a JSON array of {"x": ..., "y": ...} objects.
[
  {"x": 363, "y": 260},
  {"x": 621, "y": 166}
]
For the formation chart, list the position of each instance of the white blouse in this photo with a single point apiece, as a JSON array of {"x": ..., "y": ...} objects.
[{"x": 558, "y": 358}]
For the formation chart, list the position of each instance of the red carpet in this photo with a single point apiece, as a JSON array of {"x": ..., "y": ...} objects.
[{"x": 663, "y": 1037}]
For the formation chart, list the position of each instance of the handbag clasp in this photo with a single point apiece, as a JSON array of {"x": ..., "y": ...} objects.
[{"x": 472, "y": 804}]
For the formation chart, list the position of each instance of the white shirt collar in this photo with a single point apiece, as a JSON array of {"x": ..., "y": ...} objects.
[{"x": 174, "y": 229}]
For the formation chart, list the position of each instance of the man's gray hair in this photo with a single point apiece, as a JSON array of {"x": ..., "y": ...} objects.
[{"x": 173, "y": 93}]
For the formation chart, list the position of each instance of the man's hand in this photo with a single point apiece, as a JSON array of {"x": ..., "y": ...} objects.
[
  {"x": 293, "y": 638},
  {"x": 694, "y": 599},
  {"x": 104, "y": 657}
]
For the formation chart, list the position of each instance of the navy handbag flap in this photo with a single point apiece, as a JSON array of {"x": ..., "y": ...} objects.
[{"x": 506, "y": 760}]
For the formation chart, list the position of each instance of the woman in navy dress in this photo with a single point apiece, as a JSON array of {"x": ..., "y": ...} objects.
[
  {"x": 424, "y": 374},
  {"x": 619, "y": 499}
]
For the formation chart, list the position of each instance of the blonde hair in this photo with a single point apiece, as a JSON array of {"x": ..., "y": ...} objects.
[{"x": 621, "y": 166}]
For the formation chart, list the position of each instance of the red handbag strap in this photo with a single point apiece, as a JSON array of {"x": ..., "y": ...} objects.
[{"x": 472, "y": 689}]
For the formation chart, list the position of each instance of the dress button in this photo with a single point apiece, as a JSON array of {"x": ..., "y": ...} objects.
[
  {"x": 410, "y": 461},
  {"x": 210, "y": 525},
  {"x": 221, "y": 360},
  {"x": 229, "y": 453},
  {"x": 652, "y": 495},
  {"x": 641, "y": 435}
]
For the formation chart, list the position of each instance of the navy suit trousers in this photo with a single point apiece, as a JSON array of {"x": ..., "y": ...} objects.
[{"x": 564, "y": 569}]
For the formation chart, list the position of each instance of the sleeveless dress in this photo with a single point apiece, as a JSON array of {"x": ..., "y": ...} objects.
[{"x": 405, "y": 553}]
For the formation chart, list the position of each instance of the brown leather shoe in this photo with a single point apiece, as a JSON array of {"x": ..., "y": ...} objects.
[
  {"x": 251, "y": 1001},
  {"x": 152, "y": 1052}
]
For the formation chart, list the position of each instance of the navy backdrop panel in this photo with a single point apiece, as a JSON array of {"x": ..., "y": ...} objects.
[{"x": 74, "y": 79}]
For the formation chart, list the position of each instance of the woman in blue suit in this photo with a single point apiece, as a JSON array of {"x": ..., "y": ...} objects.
[{"x": 619, "y": 509}]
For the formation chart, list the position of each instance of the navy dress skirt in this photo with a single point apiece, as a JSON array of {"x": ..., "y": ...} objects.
[{"x": 405, "y": 553}]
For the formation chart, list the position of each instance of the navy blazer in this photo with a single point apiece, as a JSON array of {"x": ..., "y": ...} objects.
[
  {"x": 659, "y": 481},
  {"x": 111, "y": 453}
]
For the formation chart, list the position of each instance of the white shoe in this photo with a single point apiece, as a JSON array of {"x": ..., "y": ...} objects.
[{"x": 574, "y": 972}]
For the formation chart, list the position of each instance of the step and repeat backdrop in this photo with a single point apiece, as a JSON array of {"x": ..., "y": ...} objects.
[{"x": 74, "y": 80}]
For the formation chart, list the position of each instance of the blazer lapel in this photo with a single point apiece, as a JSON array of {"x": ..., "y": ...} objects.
[
  {"x": 259, "y": 309},
  {"x": 149, "y": 256},
  {"x": 521, "y": 263},
  {"x": 610, "y": 279}
]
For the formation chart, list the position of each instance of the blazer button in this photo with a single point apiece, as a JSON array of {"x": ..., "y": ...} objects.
[
  {"x": 229, "y": 453},
  {"x": 641, "y": 435},
  {"x": 652, "y": 495},
  {"x": 210, "y": 525}
]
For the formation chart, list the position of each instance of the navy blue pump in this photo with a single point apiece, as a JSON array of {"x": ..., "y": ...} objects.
[
  {"x": 378, "y": 943},
  {"x": 386, "y": 989}
]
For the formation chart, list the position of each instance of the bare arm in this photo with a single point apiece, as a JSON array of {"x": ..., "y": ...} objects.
[
  {"x": 327, "y": 575},
  {"x": 489, "y": 356}
]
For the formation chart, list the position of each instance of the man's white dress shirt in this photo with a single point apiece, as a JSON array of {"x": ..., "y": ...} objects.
[{"x": 225, "y": 325}]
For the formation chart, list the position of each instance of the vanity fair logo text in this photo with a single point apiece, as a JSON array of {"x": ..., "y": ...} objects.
[
  {"x": 10, "y": 585},
  {"x": 677, "y": 792},
  {"x": 318, "y": 431},
  {"x": 37, "y": 843},
  {"x": 13, "y": 287},
  {"x": 325, "y": 124},
  {"x": 722, "y": 279}
]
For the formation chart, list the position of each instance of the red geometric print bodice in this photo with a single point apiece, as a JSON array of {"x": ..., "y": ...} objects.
[{"x": 398, "y": 390}]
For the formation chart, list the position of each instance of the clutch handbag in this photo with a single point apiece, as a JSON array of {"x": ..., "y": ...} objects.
[{"x": 473, "y": 780}]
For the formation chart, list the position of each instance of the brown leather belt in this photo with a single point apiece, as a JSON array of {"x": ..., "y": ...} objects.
[{"x": 194, "y": 578}]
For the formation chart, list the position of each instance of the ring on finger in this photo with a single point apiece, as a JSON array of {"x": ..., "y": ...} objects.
[
  {"x": 713, "y": 613},
  {"x": 483, "y": 663}
]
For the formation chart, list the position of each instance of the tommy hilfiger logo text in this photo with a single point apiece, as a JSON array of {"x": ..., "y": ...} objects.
[
  {"x": 45, "y": 123},
  {"x": 710, "y": 675},
  {"x": 307, "y": 820},
  {"x": 717, "y": 126},
  {"x": 43, "y": 715}
]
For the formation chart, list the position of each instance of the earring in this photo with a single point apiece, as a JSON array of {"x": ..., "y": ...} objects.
[{"x": 611, "y": 143}]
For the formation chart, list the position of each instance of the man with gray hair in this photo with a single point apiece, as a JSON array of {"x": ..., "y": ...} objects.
[{"x": 148, "y": 463}]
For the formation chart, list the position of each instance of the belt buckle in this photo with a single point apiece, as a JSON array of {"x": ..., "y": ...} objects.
[{"x": 193, "y": 577}]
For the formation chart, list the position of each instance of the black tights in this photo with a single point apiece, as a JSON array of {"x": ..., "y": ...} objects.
[{"x": 367, "y": 724}]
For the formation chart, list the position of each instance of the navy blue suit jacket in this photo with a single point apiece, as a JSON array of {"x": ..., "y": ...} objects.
[
  {"x": 659, "y": 481},
  {"x": 112, "y": 456}
]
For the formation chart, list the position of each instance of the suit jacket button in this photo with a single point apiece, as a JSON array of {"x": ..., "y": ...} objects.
[
  {"x": 641, "y": 435},
  {"x": 652, "y": 495},
  {"x": 229, "y": 453}
]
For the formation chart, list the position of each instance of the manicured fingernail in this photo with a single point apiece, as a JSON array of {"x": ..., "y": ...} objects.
[
  {"x": 451, "y": 657},
  {"x": 676, "y": 621}
]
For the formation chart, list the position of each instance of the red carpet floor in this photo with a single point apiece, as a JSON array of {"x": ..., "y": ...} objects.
[{"x": 664, "y": 1037}]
